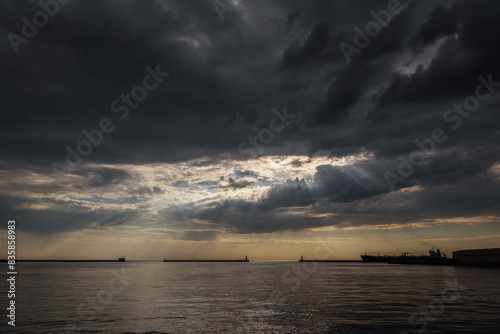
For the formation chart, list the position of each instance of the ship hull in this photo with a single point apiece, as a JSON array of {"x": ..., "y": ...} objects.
[
  {"x": 370, "y": 258},
  {"x": 422, "y": 260}
]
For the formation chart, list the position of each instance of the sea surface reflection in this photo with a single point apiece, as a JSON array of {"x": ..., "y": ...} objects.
[{"x": 254, "y": 297}]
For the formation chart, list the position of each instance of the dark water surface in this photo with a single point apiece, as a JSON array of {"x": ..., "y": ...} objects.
[{"x": 255, "y": 297}]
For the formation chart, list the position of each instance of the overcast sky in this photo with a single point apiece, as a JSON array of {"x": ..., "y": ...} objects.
[{"x": 264, "y": 127}]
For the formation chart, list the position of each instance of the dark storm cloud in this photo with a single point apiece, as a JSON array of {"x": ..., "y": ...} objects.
[
  {"x": 102, "y": 52},
  {"x": 459, "y": 60},
  {"x": 350, "y": 183},
  {"x": 197, "y": 235},
  {"x": 220, "y": 68},
  {"x": 291, "y": 193},
  {"x": 146, "y": 191},
  {"x": 100, "y": 177},
  {"x": 441, "y": 22},
  {"x": 320, "y": 46},
  {"x": 356, "y": 194},
  {"x": 248, "y": 217},
  {"x": 208, "y": 183},
  {"x": 345, "y": 91},
  {"x": 231, "y": 183},
  {"x": 225, "y": 78},
  {"x": 67, "y": 219}
]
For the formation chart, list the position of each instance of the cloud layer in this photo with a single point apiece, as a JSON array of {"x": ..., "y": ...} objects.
[{"x": 174, "y": 161}]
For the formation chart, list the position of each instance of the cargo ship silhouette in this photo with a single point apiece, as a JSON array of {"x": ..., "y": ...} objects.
[
  {"x": 378, "y": 258},
  {"x": 435, "y": 257}
]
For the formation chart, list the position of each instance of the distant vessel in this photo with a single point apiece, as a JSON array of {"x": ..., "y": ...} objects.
[
  {"x": 435, "y": 257},
  {"x": 378, "y": 258}
]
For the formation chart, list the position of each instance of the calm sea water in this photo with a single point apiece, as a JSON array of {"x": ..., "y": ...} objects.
[{"x": 255, "y": 297}]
